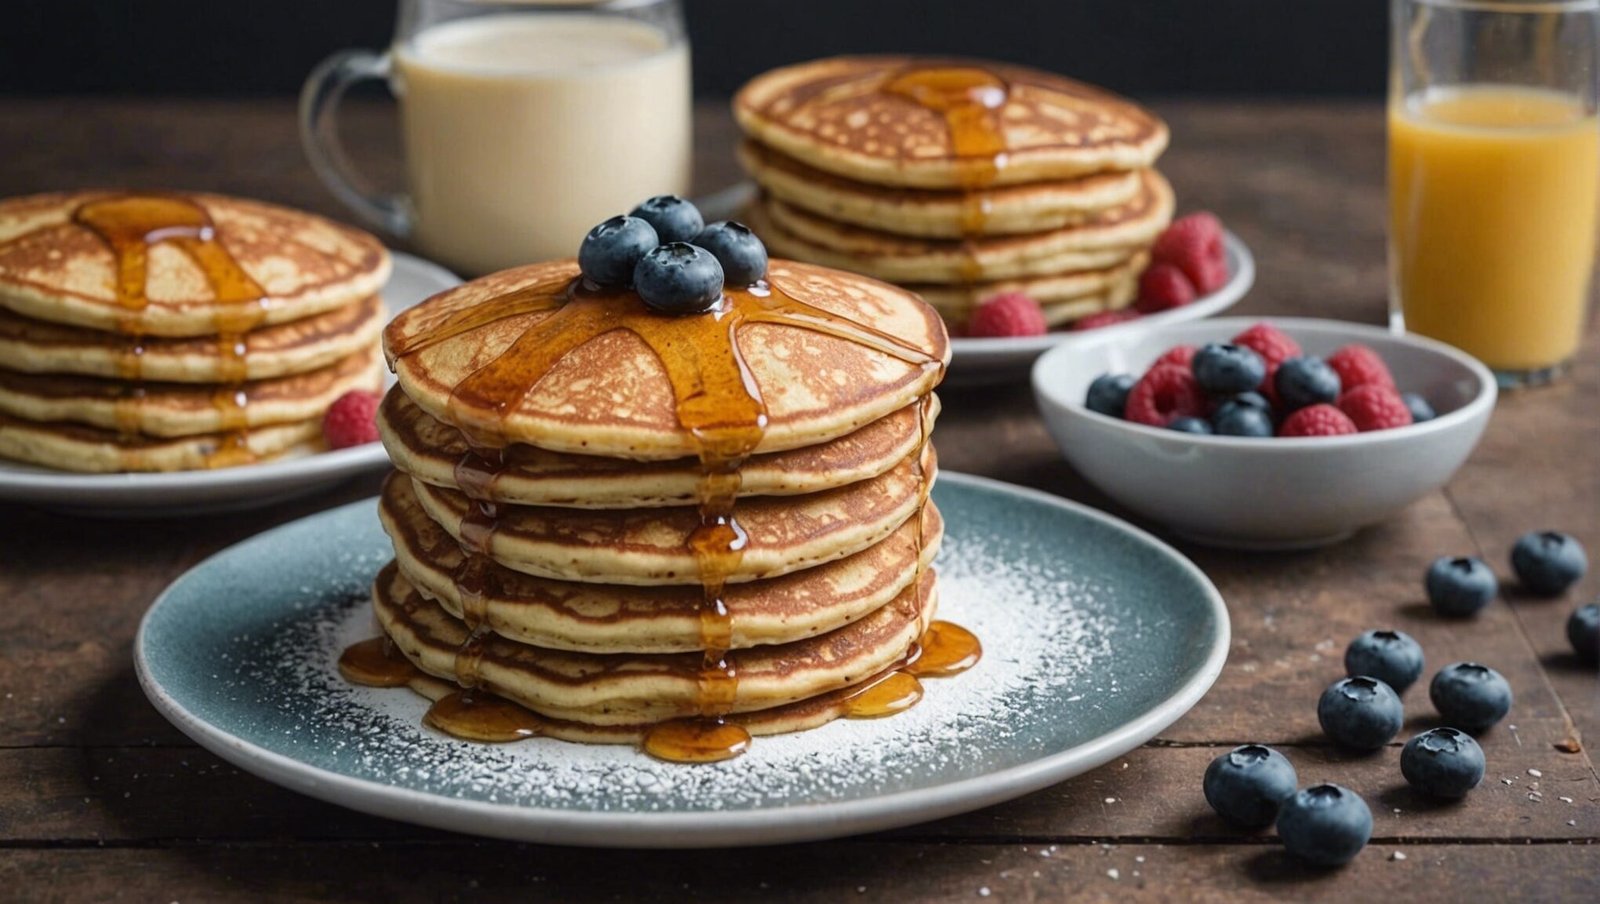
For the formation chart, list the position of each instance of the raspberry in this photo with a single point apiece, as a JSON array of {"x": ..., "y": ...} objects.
[
  {"x": 1317, "y": 420},
  {"x": 1181, "y": 355},
  {"x": 1007, "y": 314},
  {"x": 1104, "y": 318},
  {"x": 1372, "y": 406},
  {"x": 1271, "y": 343},
  {"x": 1358, "y": 365},
  {"x": 352, "y": 420},
  {"x": 1166, "y": 393},
  {"x": 1193, "y": 244},
  {"x": 1163, "y": 287}
]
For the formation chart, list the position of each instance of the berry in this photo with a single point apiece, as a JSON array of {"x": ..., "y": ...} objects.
[
  {"x": 1470, "y": 696},
  {"x": 1103, "y": 319},
  {"x": 678, "y": 278},
  {"x": 1548, "y": 562},
  {"x": 1248, "y": 400},
  {"x": 612, "y": 250},
  {"x": 1224, "y": 369},
  {"x": 737, "y": 249},
  {"x": 1393, "y": 657},
  {"x": 1459, "y": 586},
  {"x": 1326, "y": 825},
  {"x": 1359, "y": 365},
  {"x": 1190, "y": 425},
  {"x": 1193, "y": 244},
  {"x": 1317, "y": 420},
  {"x": 1108, "y": 394},
  {"x": 1360, "y": 712},
  {"x": 1373, "y": 406},
  {"x": 1181, "y": 355},
  {"x": 1164, "y": 394},
  {"x": 1007, "y": 314},
  {"x": 1247, "y": 785},
  {"x": 352, "y": 420},
  {"x": 1442, "y": 762},
  {"x": 1269, "y": 342},
  {"x": 1163, "y": 287},
  {"x": 1306, "y": 381},
  {"x": 1235, "y": 418},
  {"x": 674, "y": 219},
  {"x": 1418, "y": 406},
  {"x": 1583, "y": 632}
]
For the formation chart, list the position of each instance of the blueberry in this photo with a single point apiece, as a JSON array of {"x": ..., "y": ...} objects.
[
  {"x": 678, "y": 278},
  {"x": 1470, "y": 696},
  {"x": 1459, "y": 586},
  {"x": 1247, "y": 784},
  {"x": 1108, "y": 394},
  {"x": 1360, "y": 712},
  {"x": 1306, "y": 381},
  {"x": 1548, "y": 562},
  {"x": 1418, "y": 406},
  {"x": 1223, "y": 369},
  {"x": 1235, "y": 418},
  {"x": 611, "y": 250},
  {"x": 674, "y": 219},
  {"x": 1189, "y": 425},
  {"x": 1442, "y": 762},
  {"x": 1327, "y": 825},
  {"x": 737, "y": 249},
  {"x": 1392, "y": 657},
  {"x": 1583, "y": 632},
  {"x": 1248, "y": 399}
]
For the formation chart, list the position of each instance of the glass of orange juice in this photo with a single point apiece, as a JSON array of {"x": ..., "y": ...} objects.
[{"x": 1494, "y": 168}]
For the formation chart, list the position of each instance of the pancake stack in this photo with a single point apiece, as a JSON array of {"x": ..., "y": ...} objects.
[
  {"x": 167, "y": 332},
  {"x": 957, "y": 179},
  {"x": 619, "y": 526}
]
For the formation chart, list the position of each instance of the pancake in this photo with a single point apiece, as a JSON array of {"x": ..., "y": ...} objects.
[
  {"x": 185, "y": 409},
  {"x": 1104, "y": 240},
  {"x": 53, "y": 268},
  {"x": 90, "y": 450},
  {"x": 608, "y": 618},
  {"x": 37, "y": 346},
  {"x": 642, "y": 688},
  {"x": 429, "y": 450},
  {"x": 932, "y": 213},
  {"x": 650, "y": 547},
  {"x": 1088, "y": 291},
  {"x": 944, "y": 123},
  {"x": 854, "y": 351}
]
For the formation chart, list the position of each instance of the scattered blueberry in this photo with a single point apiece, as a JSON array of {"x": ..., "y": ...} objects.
[
  {"x": 1470, "y": 695},
  {"x": 1108, "y": 394},
  {"x": 1327, "y": 825},
  {"x": 1306, "y": 381},
  {"x": 1235, "y": 418},
  {"x": 1583, "y": 631},
  {"x": 1189, "y": 425},
  {"x": 1224, "y": 369},
  {"x": 678, "y": 278},
  {"x": 674, "y": 219},
  {"x": 1360, "y": 712},
  {"x": 612, "y": 249},
  {"x": 1459, "y": 586},
  {"x": 1418, "y": 406},
  {"x": 1442, "y": 762},
  {"x": 1392, "y": 657},
  {"x": 1548, "y": 562},
  {"x": 1247, "y": 784},
  {"x": 737, "y": 249}
]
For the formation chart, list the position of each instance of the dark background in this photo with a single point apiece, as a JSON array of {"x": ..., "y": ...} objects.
[{"x": 265, "y": 47}]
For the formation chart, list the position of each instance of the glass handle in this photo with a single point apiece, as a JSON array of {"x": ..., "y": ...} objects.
[{"x": 319, "y": 134}]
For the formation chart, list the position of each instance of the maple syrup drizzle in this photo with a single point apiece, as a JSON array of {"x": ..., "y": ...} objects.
[
  {"x": 944, "y": 649},
  {"x": 894, "y": 693},
  {"x": 376, "y": 663}
]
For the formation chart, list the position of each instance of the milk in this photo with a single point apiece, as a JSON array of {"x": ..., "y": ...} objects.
[{"x": 523, "y": 131}]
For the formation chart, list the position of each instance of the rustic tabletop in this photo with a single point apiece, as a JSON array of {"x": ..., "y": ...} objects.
[{"x": 100, "y": 798}]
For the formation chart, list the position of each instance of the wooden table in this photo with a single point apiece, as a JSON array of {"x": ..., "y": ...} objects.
[{"x": 101, "y": 798}]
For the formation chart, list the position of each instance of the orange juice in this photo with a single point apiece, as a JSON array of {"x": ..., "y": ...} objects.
[{"x": 1492, "y": 202}]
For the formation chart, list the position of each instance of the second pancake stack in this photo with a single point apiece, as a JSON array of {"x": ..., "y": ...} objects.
[{"x": 957, "y": 179}]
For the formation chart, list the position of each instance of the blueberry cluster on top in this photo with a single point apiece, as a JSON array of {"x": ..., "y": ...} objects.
[{"x": 664, "y": 250}]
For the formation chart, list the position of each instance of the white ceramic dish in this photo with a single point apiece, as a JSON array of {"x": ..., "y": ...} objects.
[
  {"x": 225, "y": 489},
  {"x": 1267, "y": 493}
]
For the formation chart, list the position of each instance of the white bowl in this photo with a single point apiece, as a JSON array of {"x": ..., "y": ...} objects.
[{"x": 1261, "y": 493}]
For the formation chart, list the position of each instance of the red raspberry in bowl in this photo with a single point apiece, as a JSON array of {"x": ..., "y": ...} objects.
[
  {"x": 1103, "y": 319},
  {"x": 1270, "y": 343},
  {"x": 1181, "y": 355},
  {"x": 1165, "y": 393},
  {"x": 1163, "y": 287},
  {"x": 1007, "y": 314},
  {"x": 352, "y": 420},
  {"x": 1193, "y": 244},
  {"x": 1359, "y": 365},
  {"x": 1373, "y": 406},
  {"x": 1317, "y": 420}
]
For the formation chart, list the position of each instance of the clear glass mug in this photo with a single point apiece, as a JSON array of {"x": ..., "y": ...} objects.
[
  {"x": 1494, "y": 177},
  {"x": 524, "y": 123}
]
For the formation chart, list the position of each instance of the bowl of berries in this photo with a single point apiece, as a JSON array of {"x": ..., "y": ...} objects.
[{"x": 1286, "y": 434}]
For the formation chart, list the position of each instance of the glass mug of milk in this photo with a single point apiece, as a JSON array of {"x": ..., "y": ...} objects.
[{"x": 524, "y": 123}]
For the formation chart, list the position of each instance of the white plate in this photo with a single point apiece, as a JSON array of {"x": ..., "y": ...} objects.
[{"x": 225, "y": 489}]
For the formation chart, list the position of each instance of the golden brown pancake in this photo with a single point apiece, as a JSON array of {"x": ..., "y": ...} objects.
[{"x": 74, "y": 447}]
